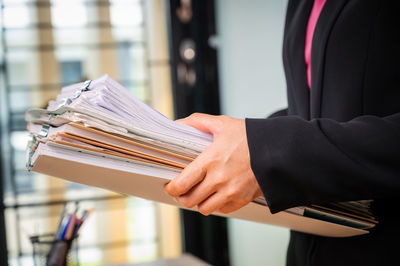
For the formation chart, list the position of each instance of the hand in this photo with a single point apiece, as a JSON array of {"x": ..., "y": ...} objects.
[{"x": 220, "y": 178}]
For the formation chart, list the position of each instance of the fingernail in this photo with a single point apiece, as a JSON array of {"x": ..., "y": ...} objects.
[{"x": 176, "y": 199}]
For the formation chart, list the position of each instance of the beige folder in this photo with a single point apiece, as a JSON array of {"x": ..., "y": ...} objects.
[{"x": 146, "y": 181}]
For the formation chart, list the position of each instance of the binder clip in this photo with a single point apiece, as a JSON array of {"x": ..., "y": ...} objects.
[
  {"x": 68, "y": 101},
  {"x": 44, "y": 131},
  {"x": 85, "y": 87}
]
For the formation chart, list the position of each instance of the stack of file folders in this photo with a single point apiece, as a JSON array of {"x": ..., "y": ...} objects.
[{"x": 97, "y": 133}]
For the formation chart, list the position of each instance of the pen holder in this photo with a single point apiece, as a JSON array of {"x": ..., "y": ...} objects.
[{"x": 50, "y": 252}]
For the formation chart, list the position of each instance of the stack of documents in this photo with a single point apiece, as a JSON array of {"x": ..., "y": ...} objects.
[{"x": 97, "y": 133}]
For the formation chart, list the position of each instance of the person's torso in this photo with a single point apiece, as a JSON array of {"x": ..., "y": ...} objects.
[
  {"x": 354, "y": 72},
  {"x": 354, "y": 59}
]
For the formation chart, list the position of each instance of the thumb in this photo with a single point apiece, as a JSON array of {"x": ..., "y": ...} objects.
[{"x": 204, "y": 122}]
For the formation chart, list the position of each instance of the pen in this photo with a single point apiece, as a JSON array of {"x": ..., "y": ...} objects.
[{"x": 64, "y": 208}]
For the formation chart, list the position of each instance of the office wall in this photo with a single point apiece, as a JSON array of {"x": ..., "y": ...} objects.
[
  {"x": 251, "y": 73},
  {"x": 252, "y": 84}
]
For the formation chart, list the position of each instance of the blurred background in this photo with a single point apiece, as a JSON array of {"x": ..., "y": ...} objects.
[{"x": 180, "y": 57}]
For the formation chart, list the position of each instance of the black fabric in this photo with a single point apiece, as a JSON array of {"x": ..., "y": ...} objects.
[
  {"x": 340, "y": 140},
  {"x": 282, "y": 112}
]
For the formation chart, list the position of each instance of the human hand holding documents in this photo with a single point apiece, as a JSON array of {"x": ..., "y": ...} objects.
[
  {"x": 97, "y": 133},
  {"x": 220, "y": 179}
]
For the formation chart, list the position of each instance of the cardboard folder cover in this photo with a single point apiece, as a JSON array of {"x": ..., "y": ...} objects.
[{"x": 125, "y": 177}]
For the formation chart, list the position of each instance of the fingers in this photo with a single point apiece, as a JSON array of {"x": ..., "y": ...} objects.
[
  {"x": 212, "y": 204},
  {"x": 199, "y": 193},
  {"x": 226, "y": 200},
  {"x": 220, "y": 178},
  {"x": 188, "y": 178},
  {"x": 204, "y": 122},
  {"x": 218, "y": 202}
]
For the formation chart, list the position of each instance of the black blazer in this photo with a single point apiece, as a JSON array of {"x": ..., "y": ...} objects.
[{"x": 340, "y": 140}]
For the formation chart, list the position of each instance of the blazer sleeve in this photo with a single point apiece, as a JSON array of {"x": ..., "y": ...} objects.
[
  {"x": 282, "y": 112},
  {"x": 298, "y": 162}
]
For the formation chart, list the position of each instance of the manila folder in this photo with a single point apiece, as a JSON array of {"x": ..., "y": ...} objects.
[{"x": 126, "y": 180}]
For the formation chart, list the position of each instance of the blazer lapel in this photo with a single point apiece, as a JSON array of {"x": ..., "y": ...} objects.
[
  {"x": 326, "y": 21},
  {"x": 294, "y": 44}
]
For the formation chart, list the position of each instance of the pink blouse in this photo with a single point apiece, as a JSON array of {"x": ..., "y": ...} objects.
[{"x": 312, "y": 21}]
